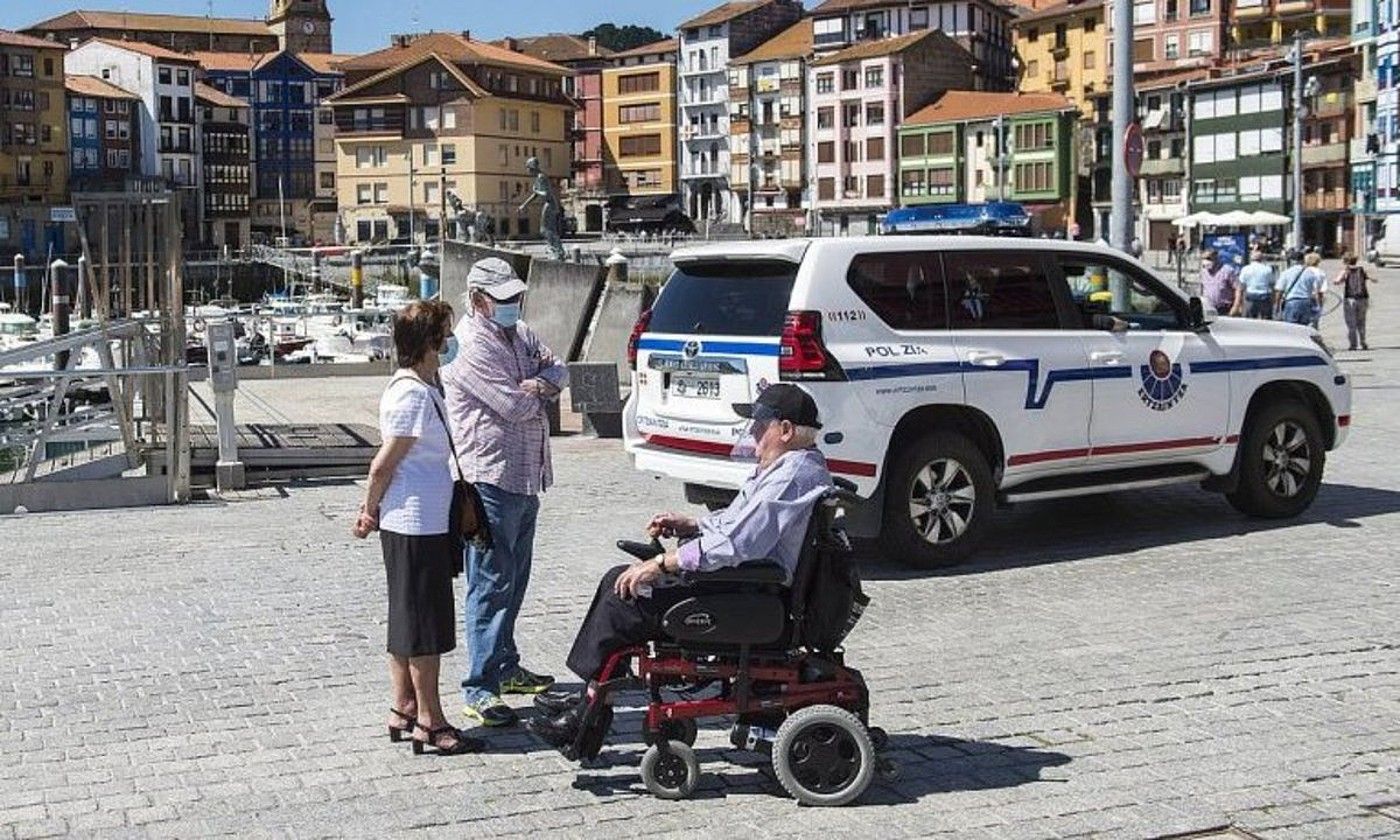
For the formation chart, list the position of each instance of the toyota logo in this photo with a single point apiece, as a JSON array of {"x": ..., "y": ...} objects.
[{"x": 691, "y": 349}]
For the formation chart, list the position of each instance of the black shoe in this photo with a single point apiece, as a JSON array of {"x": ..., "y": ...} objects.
[
  {"x": 553, "y": 703},
  {"x": 560, "y": 731}
]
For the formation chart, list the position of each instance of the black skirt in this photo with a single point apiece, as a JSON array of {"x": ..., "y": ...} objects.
[{"x": 422, "y": 620}]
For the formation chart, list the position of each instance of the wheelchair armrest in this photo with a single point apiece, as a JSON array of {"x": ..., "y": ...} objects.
[
  {"x": 756, "y": 572},
  {"x": 641, "y": 550}
]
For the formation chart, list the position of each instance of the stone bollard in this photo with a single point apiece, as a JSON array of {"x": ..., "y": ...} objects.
[
  {"x": 84, "y": 299},
  {"x": 617, "y": 267},
  {"x": 21, "y": 286},
  {"x": 62, "y": 307}
]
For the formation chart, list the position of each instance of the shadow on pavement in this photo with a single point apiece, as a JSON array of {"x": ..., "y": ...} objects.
[
  {"x": 929, "y": 764},
  {"x": 1035, "y": 533}
]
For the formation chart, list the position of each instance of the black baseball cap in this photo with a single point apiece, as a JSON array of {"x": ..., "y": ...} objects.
[{"x": 782, "y": 402}]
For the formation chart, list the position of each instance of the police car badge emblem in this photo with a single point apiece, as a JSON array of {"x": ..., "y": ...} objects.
[
  {"x": 690, "y": 349},
  {"x": 1163, "y": 385}
]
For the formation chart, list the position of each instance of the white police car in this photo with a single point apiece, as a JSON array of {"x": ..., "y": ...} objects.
[{"x": 956, "y": 373}]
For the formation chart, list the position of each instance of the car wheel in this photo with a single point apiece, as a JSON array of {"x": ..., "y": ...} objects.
[
  {"x": 1280, "y": 462},
  {"x": 938, "y": 499}
]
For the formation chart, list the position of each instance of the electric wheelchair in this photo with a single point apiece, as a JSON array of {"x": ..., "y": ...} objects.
[{"x": 774, "y": 653}]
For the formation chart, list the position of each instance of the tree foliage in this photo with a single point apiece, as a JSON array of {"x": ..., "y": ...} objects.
[{"x": 619, "y": 38}]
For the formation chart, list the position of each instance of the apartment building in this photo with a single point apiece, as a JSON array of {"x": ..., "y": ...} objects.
[
  {"x": 225, "y": 134},
  {"x": 857, "y": 99},
  {"x": 1263, "y": 24},
  {"x": 1372, "y": 23},
  {"x": 587, "y": 193},
  {"x": 1061, "y": 50},
  {"x": 296, "y": 25},
  {"x": 1173, "y": 36},
  {"x": 33, "y": 144},
  {"x": 707, "y": 43},
  {"x": 293, "y": 137},
  {"x": 1162, "y": 190},
  {"x": 639, "y": 122},
  {"x": 442, "y": 112},
  {"x": 948, "y": 153},
  {"x": 1387, "y": 109},
  {"x": 104, "y": 130},
  {"x": 180, "y": 33},
  {"x": 768, "y": 137},
  {"x": 982, "y": 27}
]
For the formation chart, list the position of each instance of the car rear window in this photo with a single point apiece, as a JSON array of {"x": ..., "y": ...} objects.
[{"x": 725, "y": 298}]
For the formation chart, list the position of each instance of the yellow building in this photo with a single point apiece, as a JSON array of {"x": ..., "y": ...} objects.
[
  {"x": 1063, "y": 48},
  {"x": 639, "y": 121},
  {"x": 33, "y": 144},
  {"x": 442, "y": 113}
]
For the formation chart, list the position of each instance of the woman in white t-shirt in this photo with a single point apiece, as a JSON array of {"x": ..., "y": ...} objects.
[{"x": 407, "y": 499}]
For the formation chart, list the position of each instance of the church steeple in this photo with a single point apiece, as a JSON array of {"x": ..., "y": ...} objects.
[{"x": 301, "y": 25}]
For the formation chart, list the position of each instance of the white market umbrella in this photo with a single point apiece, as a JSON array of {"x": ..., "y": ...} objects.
[
  {"x": 1191, "y": 221},
  {"x": 1238, "y": 218},
  {"x": 1264, "y": 217}
]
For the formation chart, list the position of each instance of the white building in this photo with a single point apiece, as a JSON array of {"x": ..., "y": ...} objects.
[{"x": 706, "y": 44}]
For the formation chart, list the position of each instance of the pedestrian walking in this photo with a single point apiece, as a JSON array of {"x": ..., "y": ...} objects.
[
  {"x": 407, "y": 500},
  {"x": 1219, "y": 287},
  {"x": 497, "y": 389},
  {"x": 1356, "y": 299},
  {"x": 1257, "y": 285},
  {"x": 1296, "y": 291},
  {"x": 1313, "y": 264}
]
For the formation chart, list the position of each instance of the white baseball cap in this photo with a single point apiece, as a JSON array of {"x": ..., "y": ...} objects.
[{"x": 495, "y": 277}]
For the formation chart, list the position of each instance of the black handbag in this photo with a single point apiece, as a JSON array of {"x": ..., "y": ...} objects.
[{"x": 466, "y": 520}]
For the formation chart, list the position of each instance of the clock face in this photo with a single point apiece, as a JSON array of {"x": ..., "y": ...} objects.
[{"x": 308, "y": 27}]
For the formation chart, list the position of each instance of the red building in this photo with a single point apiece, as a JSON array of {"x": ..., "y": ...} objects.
[
  {"x": 104, "y": 134},
  {"x": 587, "y": 192}
]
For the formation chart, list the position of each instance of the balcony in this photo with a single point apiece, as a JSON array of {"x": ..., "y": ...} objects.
[
  {"x": 1326, "y": 200},
  {"x": 1059, "y": 52},
  {"x": 1163, "y": 166},
  {"x": 1055, "y": 81},
  {"x": 1362, "y": 148},
  {"x": 1327, "y": 154}
]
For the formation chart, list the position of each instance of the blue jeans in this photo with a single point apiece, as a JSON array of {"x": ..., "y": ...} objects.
[
  {"x": 496, "y": 582},
  {"x": 1298, "y": 311},
  {"x": 1259, "y": 307}
]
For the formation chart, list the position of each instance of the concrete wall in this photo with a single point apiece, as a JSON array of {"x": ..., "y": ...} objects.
[
  {"x": 559, "y": 304},
  {"x": 617, "y": 313},
  {"x": 457, "y": 260}
]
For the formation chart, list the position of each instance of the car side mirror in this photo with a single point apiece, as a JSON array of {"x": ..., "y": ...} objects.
[{"x": 1197, "y": 314}]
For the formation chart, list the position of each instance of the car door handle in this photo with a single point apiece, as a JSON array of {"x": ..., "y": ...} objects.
[
  {"x": 1106, "y": 357},
  {"x": 984, "y": 358}
]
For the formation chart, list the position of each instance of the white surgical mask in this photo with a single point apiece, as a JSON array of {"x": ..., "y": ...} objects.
[{"x": 506, "y": 314}]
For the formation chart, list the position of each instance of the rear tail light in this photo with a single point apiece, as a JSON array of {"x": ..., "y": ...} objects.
[
  {"x": 638, "y": 328},
  {"x": 801, "y": 354}
]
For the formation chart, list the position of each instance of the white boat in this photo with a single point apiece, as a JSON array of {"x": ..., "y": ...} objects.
[{"x": 16, "y": 328}]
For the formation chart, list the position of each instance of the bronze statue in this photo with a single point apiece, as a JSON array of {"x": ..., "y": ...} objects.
[
  {"x": 476, "y": 226},
  {"x": 552, "y": 213}
]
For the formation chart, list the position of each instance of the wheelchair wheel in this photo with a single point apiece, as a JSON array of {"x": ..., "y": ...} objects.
[
  {"x": 823, "y": 756},
  {"x": 670, "y": 770},
  {"x": 683, "y": 730}
]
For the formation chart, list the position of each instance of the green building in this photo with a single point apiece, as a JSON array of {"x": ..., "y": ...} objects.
[
  {"x": 1239, "y": 144},
  {"x": 948, "y": 153}
]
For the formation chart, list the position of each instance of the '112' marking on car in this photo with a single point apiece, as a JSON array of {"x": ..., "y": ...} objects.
[
  {"x": 845, "y": 315},
  {"x": 889, "y": 351}
]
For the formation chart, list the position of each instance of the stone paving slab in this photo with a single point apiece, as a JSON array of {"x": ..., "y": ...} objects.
[{"x": 1139, "y": 665}]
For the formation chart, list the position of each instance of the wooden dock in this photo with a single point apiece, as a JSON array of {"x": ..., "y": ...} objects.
[{"x": 290, "y": 450}]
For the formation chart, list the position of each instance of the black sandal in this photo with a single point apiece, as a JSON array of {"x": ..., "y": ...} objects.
[
  {"x": 398, "y": 733},
  {"x": 462, "y": 746}
]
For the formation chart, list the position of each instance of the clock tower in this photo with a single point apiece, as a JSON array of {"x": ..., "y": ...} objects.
[{"x": 301, "y": 25}]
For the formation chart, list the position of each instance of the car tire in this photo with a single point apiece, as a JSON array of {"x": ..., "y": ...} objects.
[
  {"x": 939, "y": 496},
  {"x": 1280, "y": 461}
]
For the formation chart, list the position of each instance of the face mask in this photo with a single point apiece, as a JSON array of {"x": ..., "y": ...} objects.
[
  {"x": 506, "y": 314},
  {"x": 448, "y": 352}
]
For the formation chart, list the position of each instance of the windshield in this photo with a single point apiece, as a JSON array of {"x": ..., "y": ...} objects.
[{"x": 728, "y": 298}]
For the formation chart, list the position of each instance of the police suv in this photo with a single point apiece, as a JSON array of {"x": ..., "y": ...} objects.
[{"x": 954, "y": 374}]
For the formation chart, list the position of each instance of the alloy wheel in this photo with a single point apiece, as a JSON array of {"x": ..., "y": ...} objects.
[{"x": 941, "y": 500}]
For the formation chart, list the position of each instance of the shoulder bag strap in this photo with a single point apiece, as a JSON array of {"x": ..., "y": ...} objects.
[{"x": 451, "y": 447}]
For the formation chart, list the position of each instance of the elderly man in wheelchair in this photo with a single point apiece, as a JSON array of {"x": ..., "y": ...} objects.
[{"x": 755, "y": 600}]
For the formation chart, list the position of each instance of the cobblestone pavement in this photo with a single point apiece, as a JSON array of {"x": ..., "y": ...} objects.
[{"x": 1130, "y": 666}]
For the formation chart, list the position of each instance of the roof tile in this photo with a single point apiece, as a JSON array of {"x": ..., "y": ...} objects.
[
  {"x": 452, "y": 47},
  {"x": 793, "y": 42},
  {"x": 960, "y": 105},
  {"x": 82, "y": 85}
]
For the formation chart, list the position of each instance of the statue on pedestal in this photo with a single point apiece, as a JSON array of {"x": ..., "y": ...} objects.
[
  {"x": 476, "y": 226},
  {"x": 552, "y": 213}
]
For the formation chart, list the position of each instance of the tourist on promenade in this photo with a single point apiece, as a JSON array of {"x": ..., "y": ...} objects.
[
  {"x": 1297, "y": 290},
  {"x": 497, "y": 389},
  {"x": 1257, "y": 283},
  {"x": 407, "y": 500},
  {"x": 1355, "y": 300},
  {"x": 1313, "y": 261},
  {"x": 1218, "y": 284}
]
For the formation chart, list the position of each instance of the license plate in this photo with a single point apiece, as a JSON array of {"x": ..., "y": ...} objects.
[{"x": 701, "y": 387}]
